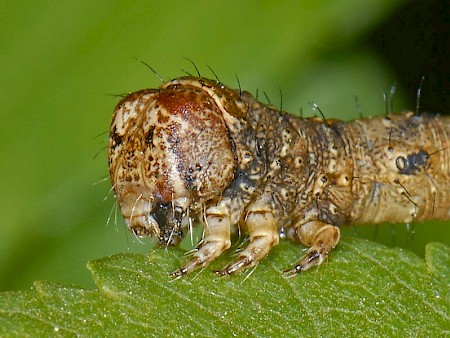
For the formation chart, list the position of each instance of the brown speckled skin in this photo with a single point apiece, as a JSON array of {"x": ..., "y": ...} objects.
[{"x": 195, "y": 149}]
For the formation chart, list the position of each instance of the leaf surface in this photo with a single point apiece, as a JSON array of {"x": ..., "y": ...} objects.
[{"x": 365, "y": 289}]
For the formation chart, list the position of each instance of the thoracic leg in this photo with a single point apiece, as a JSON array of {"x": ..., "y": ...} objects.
[
  {"x": 322, "y": 237},
  {"x": 216, "y": 240},
  {"x": 263, "y": 235}
]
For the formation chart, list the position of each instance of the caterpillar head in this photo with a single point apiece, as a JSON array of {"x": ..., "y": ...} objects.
[{"x": 170, "y": 154}]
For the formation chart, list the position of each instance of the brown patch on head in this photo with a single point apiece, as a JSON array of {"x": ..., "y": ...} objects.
[{"x": 226, "y": 99}]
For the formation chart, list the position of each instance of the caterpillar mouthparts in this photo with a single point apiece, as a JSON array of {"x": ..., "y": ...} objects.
[{"x": 196, "y": 150}]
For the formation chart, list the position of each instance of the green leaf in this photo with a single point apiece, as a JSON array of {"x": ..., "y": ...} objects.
[{"x": 363, "y": 289}]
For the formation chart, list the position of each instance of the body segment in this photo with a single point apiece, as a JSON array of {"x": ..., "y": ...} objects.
[{"x": 197, "y": 150}]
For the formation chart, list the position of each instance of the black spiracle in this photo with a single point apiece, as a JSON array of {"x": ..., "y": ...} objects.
[{"x": 413, "y": 163}]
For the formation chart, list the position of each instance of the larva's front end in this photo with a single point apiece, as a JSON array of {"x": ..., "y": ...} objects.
[{"x": 169, "y": 155}]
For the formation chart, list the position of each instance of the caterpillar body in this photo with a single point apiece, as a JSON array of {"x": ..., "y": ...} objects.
[{"x": 196, "y": 150}]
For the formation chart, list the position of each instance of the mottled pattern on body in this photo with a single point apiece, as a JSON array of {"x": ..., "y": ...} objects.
[{"x": 195, "y": 150}]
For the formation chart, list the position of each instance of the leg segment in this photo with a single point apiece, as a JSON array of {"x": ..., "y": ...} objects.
[
  {"x": 321, "y": 238},
  {"x": 216, "y": 240},
  {"x": 263, "y": 236}
]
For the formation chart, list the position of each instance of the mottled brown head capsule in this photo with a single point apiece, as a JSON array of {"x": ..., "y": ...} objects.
[
  {"x": 169, "y": 154},
  {"x": 195, "y": 150}
]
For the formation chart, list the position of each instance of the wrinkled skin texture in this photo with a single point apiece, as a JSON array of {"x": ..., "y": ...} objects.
[{"x": 195, "y": 150}]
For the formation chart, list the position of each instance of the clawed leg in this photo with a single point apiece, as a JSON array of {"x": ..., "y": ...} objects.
[
  {"x": 322, "y": 238},
  {"x": 263, "y": 236},
  {"x": 216, "y": 241}
]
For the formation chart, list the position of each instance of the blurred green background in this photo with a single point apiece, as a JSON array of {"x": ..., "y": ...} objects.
[{"x": 61, "y": 60}]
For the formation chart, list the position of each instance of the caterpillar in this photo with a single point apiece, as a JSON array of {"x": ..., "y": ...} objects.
[{"x": 194, "y": 150}]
